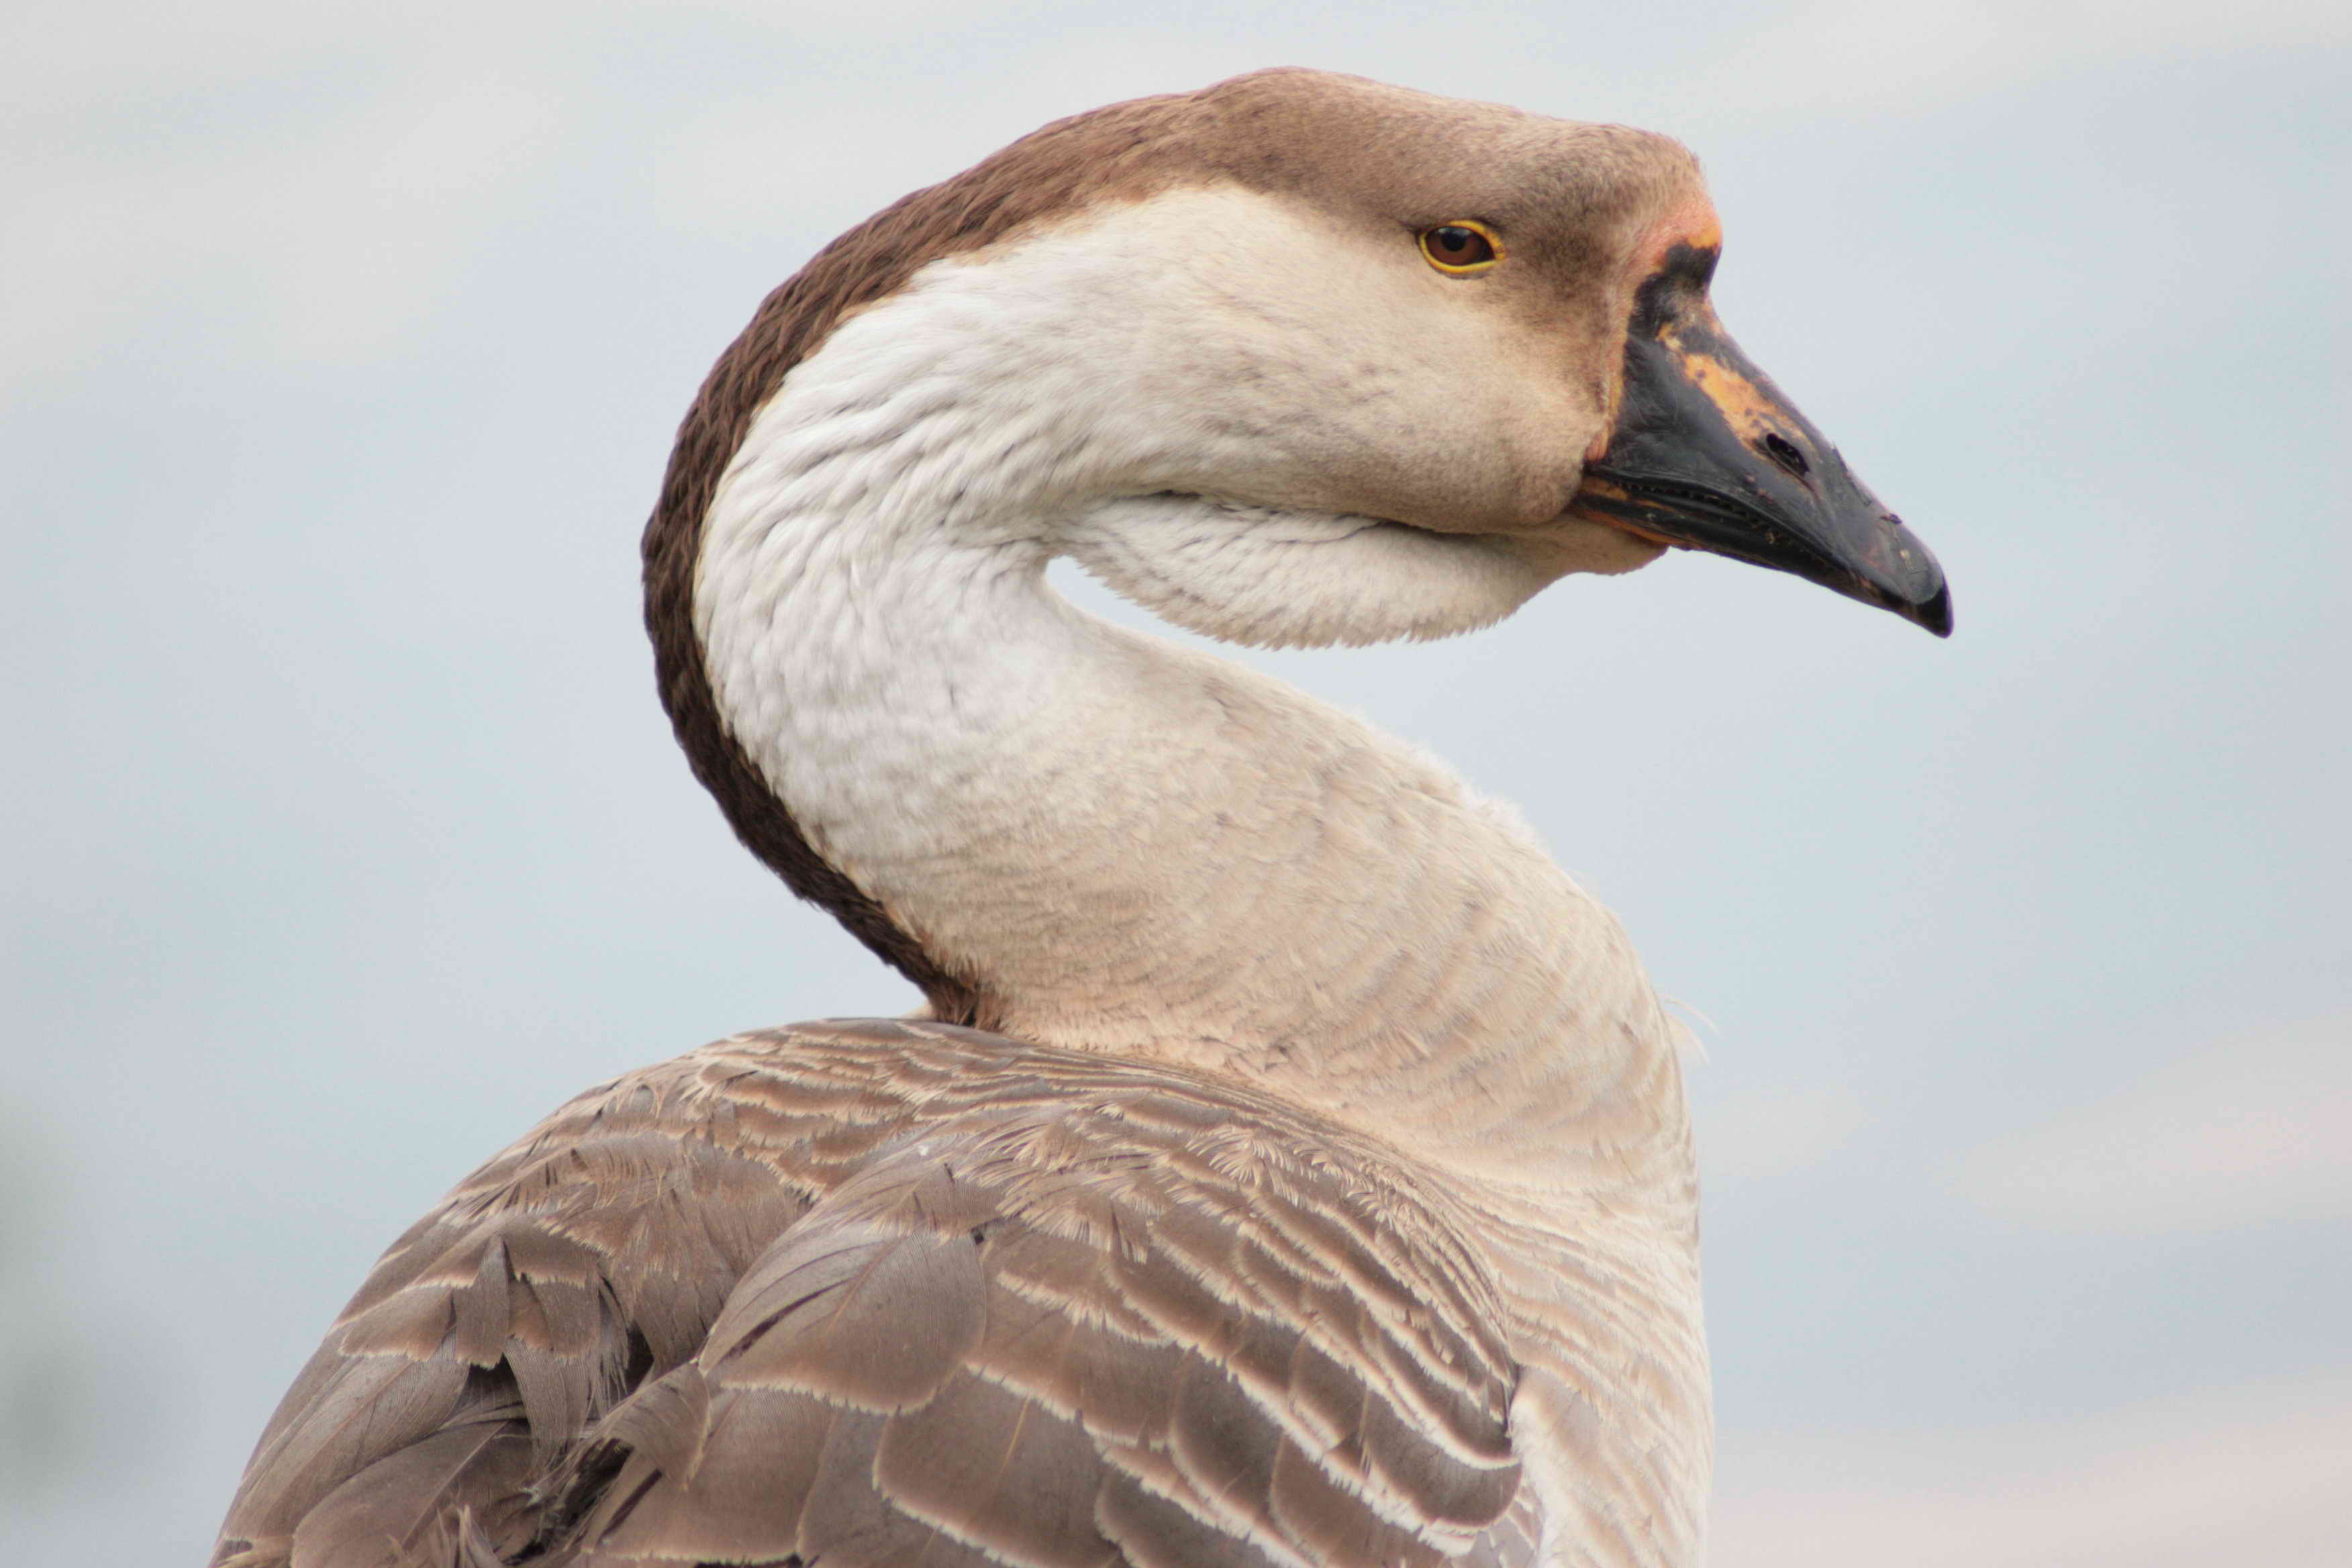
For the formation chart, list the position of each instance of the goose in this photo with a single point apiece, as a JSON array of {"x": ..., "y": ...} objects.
[{"x": 1288, "y": 1164}]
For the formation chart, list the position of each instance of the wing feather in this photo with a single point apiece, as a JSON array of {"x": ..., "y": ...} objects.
[
  {"x": 459, "y": 1489},
  {"x": 888, "y": 1293}
]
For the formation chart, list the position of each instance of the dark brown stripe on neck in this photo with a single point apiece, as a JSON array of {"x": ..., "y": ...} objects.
[{"x": 1127, "y": 149}]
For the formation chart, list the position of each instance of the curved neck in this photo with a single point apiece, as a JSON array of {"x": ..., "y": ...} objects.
[{"x": 1126, "y": 847}]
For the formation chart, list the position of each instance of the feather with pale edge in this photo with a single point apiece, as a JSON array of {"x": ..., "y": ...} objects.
[{"x": 879, "y": 1293}]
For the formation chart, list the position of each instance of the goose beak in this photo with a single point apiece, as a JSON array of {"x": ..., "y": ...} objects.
[{"x": 1707, "y": 454}]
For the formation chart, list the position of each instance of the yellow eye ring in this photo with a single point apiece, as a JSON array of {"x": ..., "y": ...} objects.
[{"x": 1460, "y": 248}]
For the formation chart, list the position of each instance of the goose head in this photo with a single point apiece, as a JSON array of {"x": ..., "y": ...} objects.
[
  {"x": 1463, "y": 349},
  {"x": 1466, "y": 321}
]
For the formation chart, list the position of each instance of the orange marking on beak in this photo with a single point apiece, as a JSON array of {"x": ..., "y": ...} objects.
[{"x": 1747, "y": 407}]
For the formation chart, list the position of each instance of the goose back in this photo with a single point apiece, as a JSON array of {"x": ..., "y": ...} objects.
[{"x": 879, "y": 1292}]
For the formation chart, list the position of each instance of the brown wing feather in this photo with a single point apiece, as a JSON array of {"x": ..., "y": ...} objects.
[
  {"x": 883, "y": 1294},
  {"x": 596, "y": 1251},
  {"x": 456, "y": 1496}
]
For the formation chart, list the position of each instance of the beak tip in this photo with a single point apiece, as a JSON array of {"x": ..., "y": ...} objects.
[{"x": 1935, "y": 615}]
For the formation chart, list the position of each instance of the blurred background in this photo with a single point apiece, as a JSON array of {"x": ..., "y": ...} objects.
[{"x": 341, "y": 346}]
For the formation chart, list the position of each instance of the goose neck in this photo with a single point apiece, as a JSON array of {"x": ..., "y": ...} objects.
[{"x": 1122, "y": 846}]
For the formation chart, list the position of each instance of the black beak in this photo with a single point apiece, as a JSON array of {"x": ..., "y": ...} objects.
[{"x": 1708, "y": 454}]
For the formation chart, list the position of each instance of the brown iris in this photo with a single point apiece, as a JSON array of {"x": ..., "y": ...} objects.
[{"x": 1466, "y": 245}]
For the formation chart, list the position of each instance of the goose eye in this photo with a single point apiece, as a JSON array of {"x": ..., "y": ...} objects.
[{"x": 1466, "y": 246}]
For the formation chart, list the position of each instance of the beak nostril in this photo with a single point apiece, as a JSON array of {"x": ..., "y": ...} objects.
[{"x": 1783, "y": 451}]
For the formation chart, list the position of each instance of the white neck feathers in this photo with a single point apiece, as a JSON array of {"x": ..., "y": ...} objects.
[{"x": 1130, "y": 847}]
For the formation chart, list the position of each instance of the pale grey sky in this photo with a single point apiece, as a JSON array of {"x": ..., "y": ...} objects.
[{"x": 340, "y": 350}]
